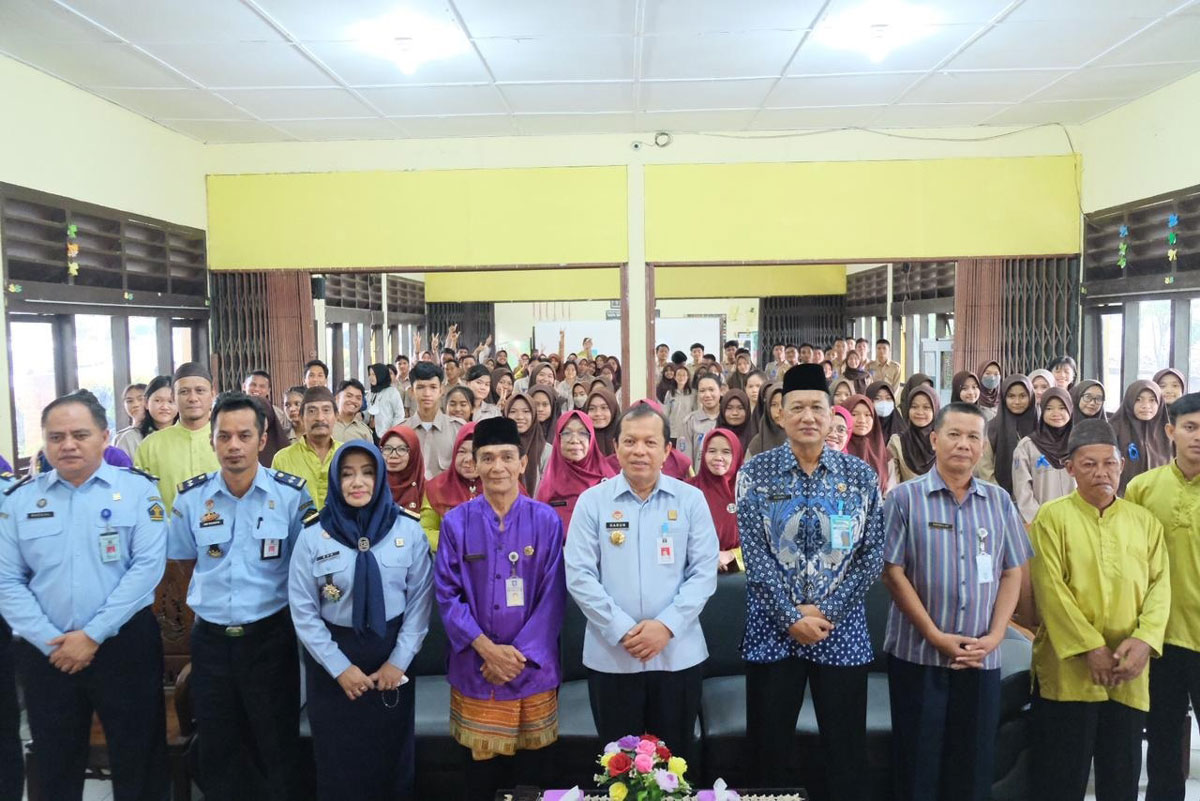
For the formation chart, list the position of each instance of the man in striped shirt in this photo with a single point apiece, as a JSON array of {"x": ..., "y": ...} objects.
[{"x": 953, "y": 559}]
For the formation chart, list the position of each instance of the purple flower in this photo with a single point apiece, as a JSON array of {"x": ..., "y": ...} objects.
[
  {"x": 628, "y": 742},
  {"x": 667, "y": 781}
]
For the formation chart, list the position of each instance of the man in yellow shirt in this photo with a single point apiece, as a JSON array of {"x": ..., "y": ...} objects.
[
  {"x": 1172, "y": 494},
  {"x": 176, "y": 453},
  {"x": 1103, "y": 590},
  {"x": 310, "y": 456}
]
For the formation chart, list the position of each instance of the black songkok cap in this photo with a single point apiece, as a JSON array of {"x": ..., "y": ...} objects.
[
  {"x": 496, "y": 431},
  {"x": 193, "y": 370},
  {"x": 1091, "y": 432},
  {"x": 805, "y": 376}
]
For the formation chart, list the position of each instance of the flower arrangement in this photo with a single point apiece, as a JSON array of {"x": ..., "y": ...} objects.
[{"x": 642, "y": 769}]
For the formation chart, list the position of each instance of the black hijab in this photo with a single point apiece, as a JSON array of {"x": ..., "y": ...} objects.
[{"x": 1007, "y": 429}]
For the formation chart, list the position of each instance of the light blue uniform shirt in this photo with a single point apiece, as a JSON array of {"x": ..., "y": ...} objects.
[
  {"x": 242, "y": 546},
  {"x": 53, "y": 576},
  {"x": 406, "y": 567},
  {"x": 617, "y": 575}
]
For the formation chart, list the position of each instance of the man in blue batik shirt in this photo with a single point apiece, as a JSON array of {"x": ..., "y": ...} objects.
[{"x": 811, "y": 525}]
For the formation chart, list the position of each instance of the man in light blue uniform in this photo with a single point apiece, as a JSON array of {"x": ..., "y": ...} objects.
[
  {"x": 82, "y": 548},
  {"x": 12, "y": 761},
  {"x": 237, "y": 527},
  {"x": 641, "y": 559}
]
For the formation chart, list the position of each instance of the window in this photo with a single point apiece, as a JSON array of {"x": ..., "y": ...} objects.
[
  {"x": 143, "y": 349},
  {"x": 94, "y": 357},
  {"x": 181, "y": 344},
  {"x": 1112, "y": 332},
  {"x": 34, "y": 381},
  {"x": 1194, "y": 348},
  {"x": 1154, "y": 337}
]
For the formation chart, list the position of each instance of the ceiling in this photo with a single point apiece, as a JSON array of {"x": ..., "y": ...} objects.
[{"x": 225, "y": 71}]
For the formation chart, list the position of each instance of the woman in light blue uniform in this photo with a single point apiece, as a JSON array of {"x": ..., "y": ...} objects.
[{"x": 360, "y": 590}]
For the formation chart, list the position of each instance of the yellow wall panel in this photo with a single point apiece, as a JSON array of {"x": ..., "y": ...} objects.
[
  {"x": 870, "y": 210},
  {"x": 761, "y": 281},
  {"x": 417, "y": 218},
  {"x": 599, "y": 283}
]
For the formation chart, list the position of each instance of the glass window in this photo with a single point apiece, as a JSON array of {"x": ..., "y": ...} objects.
[
  {"x": 181, "y": 344},
  {"x": 1194, "y": 348},
  {"x": 1112, "y": 332},
  {"x": 143, "y": 349},
  {"x": 347, "y": 364},
  {"x": 34, "y": 382},
  {"x": 1154, "y": 337},
  {"x": 329, "y": 343},
  {"x": 93, "y": 355}
]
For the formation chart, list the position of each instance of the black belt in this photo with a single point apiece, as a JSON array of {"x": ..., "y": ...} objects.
[{"x": 244, "y": 629}]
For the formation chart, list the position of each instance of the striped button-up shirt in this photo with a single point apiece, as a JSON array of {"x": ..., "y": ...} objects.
[{"x": 938, "y": 541}]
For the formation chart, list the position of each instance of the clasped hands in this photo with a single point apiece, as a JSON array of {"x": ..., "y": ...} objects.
[
  {"x": 646, "y": 639},
  {"x": 501, "y": 663},
  {"x": 1110, "y": 668},
  {"x": 355, "y": 683}
]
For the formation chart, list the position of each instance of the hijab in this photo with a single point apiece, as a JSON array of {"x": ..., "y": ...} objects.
[
  {"x": 383, "y": 377},
  {"x": 915, "y": 380},
  {"x": 564, "y": 480},
  {"x": 407, "y": 485},
  {"x": 960, "y": 380},
  {"x": 1077, "y": 393},
  {"x": 870, "y": 447},
  {"x": 833, "y": 389},
  {"x": 1171, "y": 371},
  {"x": 990, "y": 398},
  {"x": 533, "y": 441},
  {"x": 615, "y": 364},
  {"x": 1045, "y": 375},
  {"x": 844, "y": 413},
  {"x": 914, "y": 440},
  {"x": 1051, "y": 441},
  {"x": 350, "y": 526},
  {"x": 744, "y": 431},
  {"x": 665, "y": 384},
  {"x": 555, "y": 410},
  {"x": 537, "y": 367},
  {"x": 606, "y": 438},
  {"x": 448, "y": 489},
  {"x": 858, "y": 378},
  {"x": 770, "y": 434},
  {"x": 494, "y": 395},
  {"x": 1006, "y": 429},
  {"x": 1144, "y": 444},
  {"x": 719, "y": 490},
  {"x": 894, "y": 423}
]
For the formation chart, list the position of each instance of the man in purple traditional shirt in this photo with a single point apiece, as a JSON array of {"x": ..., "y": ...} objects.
[{"x": 501, "y": 590}]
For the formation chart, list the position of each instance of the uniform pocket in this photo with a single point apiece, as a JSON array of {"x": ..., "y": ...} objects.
[{"x": 41, "y": 541}]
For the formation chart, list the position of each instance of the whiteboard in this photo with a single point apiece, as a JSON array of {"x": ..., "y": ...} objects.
[
  {"x": 680, "y": 332},
  {"x": 605, "y": 334}
]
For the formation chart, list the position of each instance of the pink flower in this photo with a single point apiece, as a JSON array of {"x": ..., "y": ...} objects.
[
  {"x": 644, "y": 763},
  {"x": 667, "y": 781},
  {"x": 646, "y": 747}
]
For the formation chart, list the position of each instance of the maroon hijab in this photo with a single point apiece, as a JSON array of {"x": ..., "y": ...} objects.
[
  {"x": 564, "y": 480},
  {"x": 719, "y": 490},
  {"x": 870, "y": 447}
]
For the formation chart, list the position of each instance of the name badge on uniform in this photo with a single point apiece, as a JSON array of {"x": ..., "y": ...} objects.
[
  {"x": 666, "y": 550},
  {"x": 514, "y": 586},
  {"x": 110, "y": 546},
  {"x": 271, "y": 548},
  {"x": 841, "y": 531},
  {"x": 983, "y": 559}
]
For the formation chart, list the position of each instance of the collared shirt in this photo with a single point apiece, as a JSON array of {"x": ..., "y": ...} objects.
[
  {"x": 1175, "y": 501},
  {"x": 618, "y": 572},
  {"x": 60, "y": 569},
  {"x": 888, "y": 371},
  {"x": 175, "y": 454},
  {"x": 437, "y": 441},
  {"x": 355, "y": 429},
  {"x": 407, "y": 573},
  {"x": 387, "y": 407},
  {"x": 784, "y": 520},
  {"x": 690, "y": 438},
  {"x": 1098, "y": 579},
  {"x": 300, "y": 459},
  {"x": 473, "y": 566},
  {"x": 937, "y": 541},
  {"x": 241, "y": 546}
]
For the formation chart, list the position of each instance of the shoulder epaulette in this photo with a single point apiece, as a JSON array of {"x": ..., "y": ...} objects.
[
  {"x": 143, "y": 474},
  {"x": 6, "y": 474},
  {"x": 310, "y": 517},
  {"x": 20, "y": 483},
  {"x": 410, "y": 513},
  {"x": 288, "y": 480},
  {"x": 192, "y": 483}
]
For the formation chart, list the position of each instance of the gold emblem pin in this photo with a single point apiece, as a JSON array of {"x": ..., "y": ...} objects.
[
  {"x": 399, "y": 542},
  {"x": 617, "y": 538},
  {"x": 41, "y": 504},
  {"x": 116, "y": 496},
  {"x": 672, "y": 515},
  {"x": 270, "y": 504},
  {"x": 529, "y": 550}
]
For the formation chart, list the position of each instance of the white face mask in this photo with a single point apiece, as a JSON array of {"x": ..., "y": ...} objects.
[
  {"x": 991, "y": 381},
  {"x": 884, "y": 408},
  {"x": 579, "y": 400}
]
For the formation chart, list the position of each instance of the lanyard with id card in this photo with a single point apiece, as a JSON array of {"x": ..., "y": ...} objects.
[
  {"x": 666, "y": 547},
  {"x": 110, "y": 540},
  {"x": 841, "y": 530},
  {"x": 514, "y": 587},
  {"x": 983, "y": 559}
]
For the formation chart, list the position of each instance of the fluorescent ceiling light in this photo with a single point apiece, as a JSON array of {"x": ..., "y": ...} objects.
[
  {"x": 408, "y": 39},
  {"x": 877, "y": 27}
]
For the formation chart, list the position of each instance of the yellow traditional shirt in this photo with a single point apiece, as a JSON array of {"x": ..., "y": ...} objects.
[
  {"x": 1098, "y": 580},
  {"x": 1175, "y": 501},
  {"x": 300, "y": 459},
  {"x": 176, "y": 454},
  {"x": 431, "y": 521}
]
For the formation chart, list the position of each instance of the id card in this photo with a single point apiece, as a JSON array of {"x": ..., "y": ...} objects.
[
  {"x": 666, "y": 550},
  {"x": 271, "y": 548},
  {"x": 514, "y": 591},
  {"x": 983, "y": 566},
  {"x": 110, "y": 546},
  {"x": 841, "y": 532}
]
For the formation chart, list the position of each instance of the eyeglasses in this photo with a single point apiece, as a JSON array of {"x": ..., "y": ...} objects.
[
  {"x": 396, "y": 450},
  {"x": 1085, "y": 398},
  {"x": 576, "y": 436}
]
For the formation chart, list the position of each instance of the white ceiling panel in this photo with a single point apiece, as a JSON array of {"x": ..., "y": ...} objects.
[
  {"x": 569, "y": 124},
  {"x": 415, "y": 101},
  {"x": 683, "y": 95},
  {"x": 816, "y": 58},
  {"x": 1071, "y": 10},
  {"x": 243, "y": 64},
  {"x": 956, "y": 12},
  {"x": 297, "y": 104},
  {"x": 1122, "y": 83},
  {"x": 218, "y": 132},
  {"x": 717, "y": 120},
  {"x": 47, "y": 22},
  {"x": 463, "y": 125},
  {"x": 92, "y": 65},
  {"x": 936, "y": 116},
  {"x": 513, "y": 18},
  {"x": 715, "y": 16},
  {"x": 357, "y": 68},
  {"x": 1007, "y": 86},
  {"x": 580, "y": 58},
  {"x": 784, "y": 119},
  {"x": 1174, "y": 39},
  {"x": 311, "y": 21},
  {"x": 1067, "y": 112},
  {"x": 182, "y": 104},
  {"x": 719, "y": 55},
  {"x": 180, "y": 21},
  {"x": 1029, "y": 45},
  {"x": 547, "y": 98},
  {"x": 365, "y": 128},
  {"x": 833, "y": 90}
]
